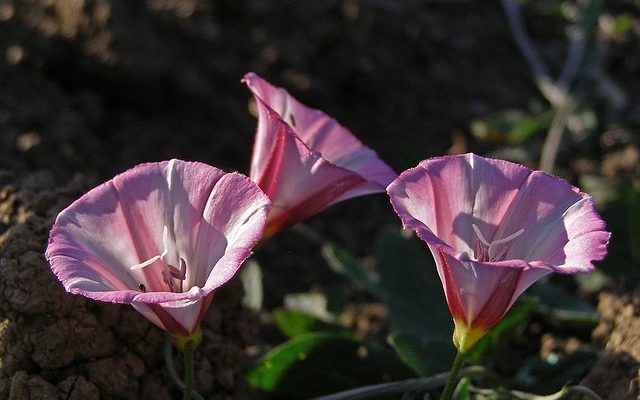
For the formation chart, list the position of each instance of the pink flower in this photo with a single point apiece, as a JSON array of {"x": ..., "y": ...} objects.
[
  {"x": 494, "y": 228},
  {"x": 304, "y": 160},
  {"x": 161, "y": 237}
]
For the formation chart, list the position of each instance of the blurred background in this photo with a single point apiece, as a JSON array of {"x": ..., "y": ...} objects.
[{"x": 89, "y": 88}]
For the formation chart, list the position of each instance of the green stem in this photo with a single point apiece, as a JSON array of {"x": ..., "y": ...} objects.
[
  {"x": 408, "y": 385},
  {"x": 453, "y": 376},
  {"x": 188, "y": 369},
  {"x": 171, "y": 369}
]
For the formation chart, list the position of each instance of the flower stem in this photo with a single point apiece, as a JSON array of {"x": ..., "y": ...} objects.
[
  {"x": 453, "y": 376},
  {"x": 171, "y": 369},
  {"x": 188, "y": 369}
]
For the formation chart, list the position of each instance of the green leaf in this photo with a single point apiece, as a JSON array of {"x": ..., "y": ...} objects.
[
  {"x": 510, "y": 126},
  {"x": 540, "y": 376},
  {"x": 295, "y": 323},
  {"x": 462, "y": 390},
  {"x": 623, "y": 23},
  {"x": 314, "y": 364},
  {"x": 345, "y": 264},
  {"x": 562, "y": 308},
  {"x": 425, "y": 356},
  {"x": 518, "y": 314},
  {"x": 406, "y": 280},
  {"x": 411, "y": 288}
]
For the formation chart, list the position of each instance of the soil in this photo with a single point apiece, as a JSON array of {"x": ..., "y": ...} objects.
[
  {"x": 90, "y": 88},
  {"x": 616, "y": 374}
]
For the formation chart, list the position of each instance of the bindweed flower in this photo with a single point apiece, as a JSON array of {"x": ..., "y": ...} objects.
[
  {"x": 161, "y": 237},
  {"x": 494, "y": 228},
  {"x": 304, "y": 160}
]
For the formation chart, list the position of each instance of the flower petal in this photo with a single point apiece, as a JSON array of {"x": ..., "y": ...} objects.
[
  {"x": 234, "y": 217},
  {"x": 495, "y": 228},
  {"x": 92, "y": 244},
  {"x": 450, "y": 194},
  {"x": 320, "y": 134},
  {"x": 191, "y": 214},
  {"x": 300, "y": 182},
  {"x": 96, "y": 240},
  {"x": 178, "y": 316}
]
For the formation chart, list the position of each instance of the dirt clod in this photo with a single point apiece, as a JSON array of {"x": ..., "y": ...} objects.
[{"x": 616, "y": 374}]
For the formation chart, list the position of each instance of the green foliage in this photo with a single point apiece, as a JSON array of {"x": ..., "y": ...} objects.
[
  {"x": 411, "y": 288},
  {"x": 517, "y": 316},
  {"x": 622, "y": 24},
  {"x": 510, "y": 126},
  {"x": 322, "y": 356},
  {"x": 317, "y": 363},
  {"x": 407, "y": 282},
  {"x": 294, "y": 323},
  {"x": 343, "y": 263},
  {"x": 421, "y": 353},
  {"x": 562, "y": 308},
  {"x": 462, "y": 391},
  {"x": 542, "y": 376}
]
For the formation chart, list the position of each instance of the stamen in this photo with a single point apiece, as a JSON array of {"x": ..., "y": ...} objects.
[
  {"x": 165, "y": 244},
  {"x": 479, "y": 234},
  {"x": 488, "y": 254},
  {"x": 508, "y": 238},
  {"x": 179, "y": 273},
  {"x": 169, "y": 272},
  {"x": 143, "y": 264}
]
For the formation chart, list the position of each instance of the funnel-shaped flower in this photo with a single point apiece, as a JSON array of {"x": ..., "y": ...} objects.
[
  {"x": 304, "y": 160},
  {"x": 494, "y": 228},
  {"x": 161, "y": 237}
]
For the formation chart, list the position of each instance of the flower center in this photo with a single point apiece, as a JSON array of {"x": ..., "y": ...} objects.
[
  {"x": 485, "y": 251},
  {"x": 172, "y": 276}
]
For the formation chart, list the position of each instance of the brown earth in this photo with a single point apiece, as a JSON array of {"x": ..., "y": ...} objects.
[
  {"x": 616, "y": 374},
  {"x": 89, "y": 88}
]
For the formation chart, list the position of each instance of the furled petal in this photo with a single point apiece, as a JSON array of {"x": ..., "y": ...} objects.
[
  {"x": 115, "y": 242},
  {"x": 494, "y": 228},
  {"x": 481, "y": 293},
  {"x": 304, "y": 160},
  {"x": 299, "y": 181}
]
